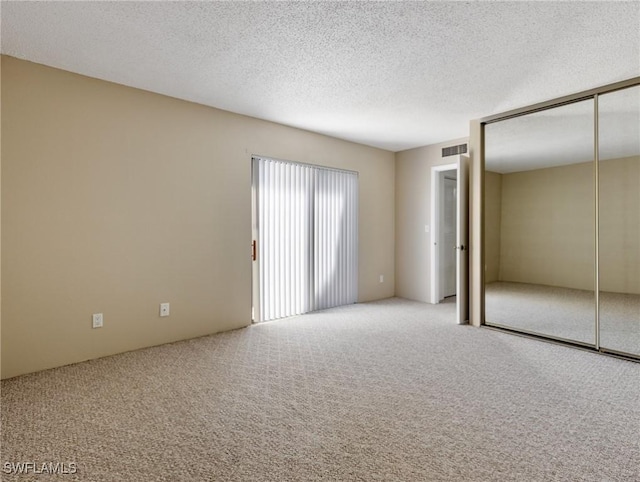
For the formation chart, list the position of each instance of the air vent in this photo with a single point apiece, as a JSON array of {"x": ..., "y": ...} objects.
[{"x": 454, "y": 150}]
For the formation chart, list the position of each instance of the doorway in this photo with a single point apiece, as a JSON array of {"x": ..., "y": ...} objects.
[
  {"x": 447, "y": 233},
  {"x": 449, "y": 278}
]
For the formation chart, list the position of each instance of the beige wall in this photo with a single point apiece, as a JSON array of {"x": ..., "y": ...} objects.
[
  {"x": 476, "y": 224},
  {"x": 547, "y": 219},
  {"x": 413, "y": 211},
  {"x": 116, "y": 199},
  {"x": 493, "y": 213},
  {"x": 620, "y": 225},
  {"x": 0, "y": 218},
  {"x": 547, "y": 234}
]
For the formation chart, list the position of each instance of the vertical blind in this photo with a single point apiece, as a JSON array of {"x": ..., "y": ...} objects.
[{"x": 307, "y": 236}]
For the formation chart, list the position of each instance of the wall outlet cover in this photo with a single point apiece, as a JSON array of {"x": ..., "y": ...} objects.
[{"x": 97, "y": 320}]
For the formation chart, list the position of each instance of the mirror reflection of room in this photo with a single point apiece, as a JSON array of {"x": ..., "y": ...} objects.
[
  {"x": 619, "y": 220},
  {"x": 540, "y": 222},
  {"x": 540, "y": 215}
]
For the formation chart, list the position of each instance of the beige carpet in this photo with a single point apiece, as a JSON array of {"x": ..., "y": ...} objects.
[
  {"x": 388, "y": 391},
  {"x": 566, "y": 313}
]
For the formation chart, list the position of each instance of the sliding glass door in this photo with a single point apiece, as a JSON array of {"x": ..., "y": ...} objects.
[{"x": 305, "y": 238}]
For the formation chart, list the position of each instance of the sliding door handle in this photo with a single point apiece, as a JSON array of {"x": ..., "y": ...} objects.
[{"x": 253, "y": 250}]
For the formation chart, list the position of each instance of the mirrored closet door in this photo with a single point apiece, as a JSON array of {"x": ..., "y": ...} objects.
[
  {"x": 540, "y": 223},
  {"x": 619, "y": 220},
  {"x": 562, "y": 219}
]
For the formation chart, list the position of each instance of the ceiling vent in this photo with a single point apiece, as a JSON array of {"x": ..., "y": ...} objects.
[{"x": 454, "y": 150}]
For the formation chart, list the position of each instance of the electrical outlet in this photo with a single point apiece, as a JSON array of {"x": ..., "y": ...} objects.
[
  {"x": 97, "y": 320},
  {"x": 164, "y": 309},
  {"x": 381, "y": 278}
]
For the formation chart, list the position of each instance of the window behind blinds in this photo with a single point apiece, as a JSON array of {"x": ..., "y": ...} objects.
[{"x": 307, "y": 237}]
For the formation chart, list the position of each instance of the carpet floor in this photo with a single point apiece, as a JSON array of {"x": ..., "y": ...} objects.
[
  {"x": 391, "y": 391},
  {"x": 566, "y": 313}
]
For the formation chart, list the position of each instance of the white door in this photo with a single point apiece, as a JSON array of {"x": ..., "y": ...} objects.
[{"x": 462, "y": 242}]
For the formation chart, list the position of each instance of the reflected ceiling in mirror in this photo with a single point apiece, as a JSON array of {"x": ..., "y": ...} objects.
[
  {"x": 554, "y": 137},
  {"x": 619, "y": 114}
]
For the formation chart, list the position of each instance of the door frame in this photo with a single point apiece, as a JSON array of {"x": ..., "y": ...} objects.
[
  {"x": 461, "y": 167},
  {"x": 434, "y": 275}
]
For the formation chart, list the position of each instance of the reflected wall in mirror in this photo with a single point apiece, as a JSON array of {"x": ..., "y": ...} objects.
[
  {"x": 540, "y": 223},
  {"x": 619, "y": 220}
]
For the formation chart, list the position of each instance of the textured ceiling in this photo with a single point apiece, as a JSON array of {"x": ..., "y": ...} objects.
[{"x": 394, "y": 75}]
